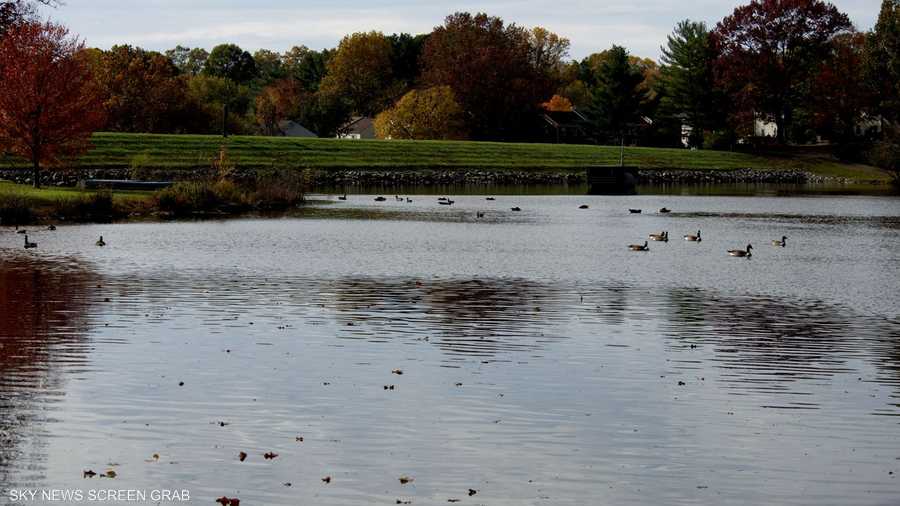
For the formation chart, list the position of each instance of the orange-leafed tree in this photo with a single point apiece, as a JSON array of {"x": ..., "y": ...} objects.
[{"x": 49, "y": 105}]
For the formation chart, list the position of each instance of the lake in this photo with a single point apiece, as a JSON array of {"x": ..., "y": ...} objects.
[{"x": 542, "y": 361}]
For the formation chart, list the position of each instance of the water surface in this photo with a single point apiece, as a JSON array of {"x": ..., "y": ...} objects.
[{"x": 543, "y": 362}]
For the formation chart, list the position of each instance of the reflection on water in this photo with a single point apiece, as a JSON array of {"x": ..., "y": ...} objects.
[
  {"x": 542, "y": 362},
  {"x": 43, "y": 324}
]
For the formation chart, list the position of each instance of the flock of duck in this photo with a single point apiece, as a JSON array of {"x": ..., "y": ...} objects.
[
  {"x": 32, "y": 245},
  {"x": 662, "y": 236}
]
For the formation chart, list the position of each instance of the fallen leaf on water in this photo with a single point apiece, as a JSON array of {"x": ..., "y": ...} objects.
[
  {"x": 270, "y": 455},
  {"x": 109, "y": 474},
  {"x": 472, "y": 492},
  {"x": 405, "y": 479},
  {"x": 299, "y": 439},
  {"x": 242, "y": 456},
  {"x": 327, "y": 479},
  {"x": 389, "y": 387},
  {"x": 287, "y": 484},
  {"x": 89, "y": 474},
  {"x": 452, "y": 500},
  {"x": 224, "y": 501}
]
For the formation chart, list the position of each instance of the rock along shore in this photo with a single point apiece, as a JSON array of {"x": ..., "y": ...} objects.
[{"x": 442, "y": 176}]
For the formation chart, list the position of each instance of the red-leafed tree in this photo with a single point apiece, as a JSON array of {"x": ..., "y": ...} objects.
[
  {"x": 49, "y": 105},
  {"x": 491, "y": 68},
  {"x": 769, "y": 50}
]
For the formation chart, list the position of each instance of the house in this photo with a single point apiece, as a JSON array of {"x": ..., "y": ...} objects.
[
  {"x": 288, "y": 128},
  {"x": 359, "y": 127},
  {"x": 567, "y": 127}
]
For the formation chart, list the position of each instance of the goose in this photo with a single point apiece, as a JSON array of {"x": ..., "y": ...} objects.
[
  {"x": 662, "y": 236},
  {"x": 398, "y": 198},
  {"x": 380, "y": 199},
  {"x": 741, "y": 252},
  {"x": 29, "y": 245},
  {"x": 517, "y": 208},
  {"x": 490, "y": 198},
  {"x": 782, "y": 242},
  {"x": 447, "y": 202},
  {"x": 100, "y": 242},
  {"x": 634, "y": 211},
  {"x": 638, "y": 247},
  {"x": 342, "y": 197},
  {"x": 51, "y": 228},
  {"x": 22, "y": 231},
  {"x": 408, "y": 200},
  {"x": 479, "y": 214},
  {"x": 665, "y": 210},
  {"x": 694, "y": 238},
  {"x": 583, "y": 206},
  {"x": 441, "y": 199}
]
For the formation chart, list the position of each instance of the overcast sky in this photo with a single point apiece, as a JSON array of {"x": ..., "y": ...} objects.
[{"x": 591, "y": 25}]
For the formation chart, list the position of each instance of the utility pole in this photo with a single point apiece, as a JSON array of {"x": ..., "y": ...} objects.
[{"x": 225, "y": 120}]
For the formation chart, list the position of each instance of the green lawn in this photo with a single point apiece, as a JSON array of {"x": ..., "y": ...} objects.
[
  {"x": 190, "y": 151},
  {"x": 52, "y": 195}
]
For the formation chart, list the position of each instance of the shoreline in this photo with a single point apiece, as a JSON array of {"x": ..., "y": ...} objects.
[{"x": 442, "y": 176}]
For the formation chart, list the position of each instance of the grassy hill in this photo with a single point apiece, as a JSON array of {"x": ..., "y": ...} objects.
[{"x": 151, "y": 151}]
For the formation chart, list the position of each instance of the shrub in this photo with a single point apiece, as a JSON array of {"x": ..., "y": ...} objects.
[
  {"x": 97, "y": 206},
  {"x": 14, "y": 209}
]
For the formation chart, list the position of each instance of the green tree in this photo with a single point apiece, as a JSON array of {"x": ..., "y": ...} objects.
[
  {"x": 405, "y": 54},
  {"x": 432, "y": 113},
  {"x": 687, "y": 78},
  {"x": 269, "y": 66},
  {"x": 189, "y": 61},
  {"x": 231, "y": 62},
  {"x": 883, "y": 60},
  {"x": 306, "y": 66},
  {"x": 617, "y": 98}
]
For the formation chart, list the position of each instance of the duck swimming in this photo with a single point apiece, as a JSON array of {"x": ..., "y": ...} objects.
[
  {"x": 638, "y": 247},
  {"x": 741, "y": 252}
]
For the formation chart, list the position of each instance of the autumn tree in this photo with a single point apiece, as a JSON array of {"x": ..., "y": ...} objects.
[
  {"x": 49, "y": 105},
  {"x": 882, "y": 60},
  {"x": 13, "y": 12},
  {"x": 548, "y": 52},
  {"x": 231, "y": 62},
  {"x": 142, "y": 90},
  {"x": 839, "y": 98},
  {"x": 618, "y": 97},
  {"x": 488, "y": 65},
  {"x": 687, "y": 78},
  {"x": 769, "y": 50},
  {"x": 557, "y": 103},
  {"x": 278, "y": 101},
  {"x": 432, "y": 113},
  {"x": 360, "y": 72}
]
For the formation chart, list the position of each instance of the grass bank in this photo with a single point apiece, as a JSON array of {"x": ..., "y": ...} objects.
[{"x": 188, "y": 152}]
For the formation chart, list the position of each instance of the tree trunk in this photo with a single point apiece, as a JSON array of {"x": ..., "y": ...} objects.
[{"x": 36, "y": 173}]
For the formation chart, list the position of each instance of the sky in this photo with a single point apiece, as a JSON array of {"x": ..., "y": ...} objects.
[{"x": 591, "y": 25}]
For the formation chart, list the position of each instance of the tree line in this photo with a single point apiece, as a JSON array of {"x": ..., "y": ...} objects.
[{"x": 798, "y": 64}]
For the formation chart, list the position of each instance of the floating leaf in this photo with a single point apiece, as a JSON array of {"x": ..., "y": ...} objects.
[
  {"x": 405, "y": 479},
  {"x": 327, "y": 479},
  {"x": 242, "y": 456}
]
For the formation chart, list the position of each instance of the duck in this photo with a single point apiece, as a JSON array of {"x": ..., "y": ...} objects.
[
  {"x": 490, "y": 198},
  {"x": 665, "y": 210},
  {"x": 29, "y": 245},
  {"x": 380, "y": 199},
  {"x": 51, "y": 227},
  {"x": 662, "y": 236},
  {"x": 517, "y": 208},
  {"x": 638, "y": 247},
  {"x": 342, "y": 197},
  {"x": 634, "y": 211},
  {"x": 782, "y": 243},
  {"x": 100, "y": 242},
  {"x": 694, "y": 238},
  {"x": 584, "y": 206},
  {"x": 741, "y": 252}
]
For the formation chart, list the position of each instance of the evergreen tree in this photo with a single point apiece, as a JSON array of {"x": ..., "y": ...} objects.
[
  {"x": 883, "y": 60},
  {"x": 617, "y": 98}
]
